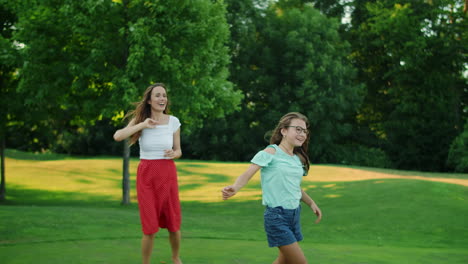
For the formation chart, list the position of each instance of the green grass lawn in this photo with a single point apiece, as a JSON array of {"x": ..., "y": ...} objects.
[{"x": 66, "y": 210}]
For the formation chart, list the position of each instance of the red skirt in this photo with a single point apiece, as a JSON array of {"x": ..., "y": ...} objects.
[{"x": 158, "y": 196}]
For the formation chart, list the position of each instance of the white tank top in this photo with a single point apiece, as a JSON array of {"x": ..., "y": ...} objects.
[{"x": 153, "y": 141}]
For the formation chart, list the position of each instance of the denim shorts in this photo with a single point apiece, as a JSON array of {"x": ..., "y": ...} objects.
[{"x": 282, "y": 226}]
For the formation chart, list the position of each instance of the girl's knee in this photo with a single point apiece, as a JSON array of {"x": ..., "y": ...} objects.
[{"x": 292, "y": 254}]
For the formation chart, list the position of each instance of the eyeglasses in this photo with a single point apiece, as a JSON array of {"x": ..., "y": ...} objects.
[{"x": 299, "y": 129}]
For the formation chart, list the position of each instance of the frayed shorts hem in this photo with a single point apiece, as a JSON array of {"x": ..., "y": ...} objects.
[{"x": 282, "y": 226}]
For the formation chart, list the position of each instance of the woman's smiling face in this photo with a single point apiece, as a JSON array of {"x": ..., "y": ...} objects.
[{"x": 158, "y": 100}]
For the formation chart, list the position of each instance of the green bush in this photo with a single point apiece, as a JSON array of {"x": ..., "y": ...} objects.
[
  {"x": 91, "y": 139},
  {"x": 359, "y": 155},
  {"x": 458, "y": 154}
]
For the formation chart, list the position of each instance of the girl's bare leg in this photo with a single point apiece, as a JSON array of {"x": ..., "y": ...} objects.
[
  {"x": 174, "y": 240},
  {"x": 147, "y": 247},
  {"x": 280, "y": 259},
  {"x": 290, "y": 254}
]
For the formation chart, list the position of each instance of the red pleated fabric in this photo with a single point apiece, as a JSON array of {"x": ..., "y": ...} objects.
[{"x": 158, "y": 196}]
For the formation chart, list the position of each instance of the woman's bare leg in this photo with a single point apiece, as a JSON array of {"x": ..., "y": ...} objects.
[
  {"x": 174, "y": 240},
  {"x": 147, "y": 247}
]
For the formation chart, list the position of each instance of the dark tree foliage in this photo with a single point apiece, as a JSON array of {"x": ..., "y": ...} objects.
[
  {"x": 284, "y": 59},
  {"x": 410, "y": 56}
]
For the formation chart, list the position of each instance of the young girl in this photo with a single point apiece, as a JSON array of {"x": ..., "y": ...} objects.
[
  {"x": 282, "y": 164},
  {"x": 157, "y": 189}
]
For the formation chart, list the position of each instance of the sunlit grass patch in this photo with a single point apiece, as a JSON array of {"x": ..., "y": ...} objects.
[
  {"x": 83, "y": 176},
  {"x": 209, "y": 178},
  {"x": 331, "y": 173},
  {"x": 198, "y": 181}
]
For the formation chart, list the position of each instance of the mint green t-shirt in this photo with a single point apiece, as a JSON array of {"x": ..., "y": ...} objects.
[{"x": 281, "y": 176}]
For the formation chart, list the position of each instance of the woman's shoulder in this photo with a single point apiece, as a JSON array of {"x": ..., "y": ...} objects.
[
  {"x": 173, "y": 118},
  {"x": 174, "y": 122},
  {"x": 132, "y": 122}
]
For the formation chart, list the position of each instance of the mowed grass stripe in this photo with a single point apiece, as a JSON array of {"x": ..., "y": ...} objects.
[
  {"x": 207, "y": 251},
  {"x": 390, "y": 213},
  {"x": 68, "y": 210}
]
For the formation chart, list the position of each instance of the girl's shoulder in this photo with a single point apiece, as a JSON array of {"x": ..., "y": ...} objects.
[{"x": 271, "y": 149}]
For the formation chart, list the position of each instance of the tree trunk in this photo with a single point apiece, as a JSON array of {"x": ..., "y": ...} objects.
[
  {"x": 2, "y": 170},
  {"x": 126, "y": 150},
  {"x": 126, "y": 174}
]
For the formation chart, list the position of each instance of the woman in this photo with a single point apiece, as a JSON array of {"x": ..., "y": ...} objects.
[
  {"x": 282, "y": 165},
  {"x": 158, "y": 134}
]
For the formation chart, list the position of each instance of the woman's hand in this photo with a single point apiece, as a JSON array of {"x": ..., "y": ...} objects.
[
  {"x": 133, "y": 128},
  {"x": 169, "y": 153},
  {"x": 150, "y": 123}
]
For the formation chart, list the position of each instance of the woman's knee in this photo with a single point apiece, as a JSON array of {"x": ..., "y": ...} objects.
[
  {"x": 149, "y": 236},
  {"x": 175, "y": 233}
]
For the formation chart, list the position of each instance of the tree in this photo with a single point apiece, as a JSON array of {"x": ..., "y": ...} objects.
[
  {"x": 237, "y": 132},
  {"x": 458, "y": 154},
  {"x": 8, "y": 100},
  {"x": 284, "y": 59},
  {"x": 410, "y": 56},
  {"x": 89, "y": 60},
  {"x": 330, "y": 8},
  {"x": 306, "y": 60}
]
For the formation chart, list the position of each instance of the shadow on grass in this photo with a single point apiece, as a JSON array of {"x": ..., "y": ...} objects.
[
  {"x": 21, "y": 155},
  {"x": 211, "y": 177},
  {"x": 191, "y": 165},
  {"x": 44, "y": 156},
  {"x": 19, "y": 196},
  {"x": 188, "y": 187}
]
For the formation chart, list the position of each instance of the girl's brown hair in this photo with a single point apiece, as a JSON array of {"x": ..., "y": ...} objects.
[
  {"x": 143, "y": 110},
  {"x": 301, "y": 151}
]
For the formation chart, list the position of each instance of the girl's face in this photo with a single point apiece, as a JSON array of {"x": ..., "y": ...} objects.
[
  {"x": 296, "y": 133},
  {"x": 158, "y": 100}
]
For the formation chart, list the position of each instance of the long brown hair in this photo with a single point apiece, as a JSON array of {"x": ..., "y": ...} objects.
[
  {"x": 143, "y": 110},
  {"x": 301, "y": 151}
]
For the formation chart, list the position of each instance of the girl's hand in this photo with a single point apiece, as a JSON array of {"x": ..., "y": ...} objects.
[
  {"x": 317, "y": 212},
  {"x": 240, "y": 182},
  {"x": 228, "y": 192},
  {"x": 150, "y": 123}
]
